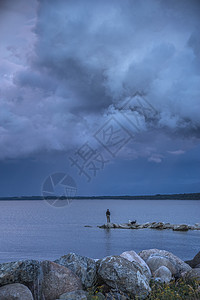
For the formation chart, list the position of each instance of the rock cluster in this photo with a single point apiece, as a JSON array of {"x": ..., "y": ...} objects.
[
  {"x": 152, "y": 225},
  {"x": 74, "y": 277}
]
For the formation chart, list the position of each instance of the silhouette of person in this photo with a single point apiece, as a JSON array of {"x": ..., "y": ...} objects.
[{"x": 108, "y": 216}]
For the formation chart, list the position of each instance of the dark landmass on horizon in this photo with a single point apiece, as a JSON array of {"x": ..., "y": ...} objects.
[{"x": 185, "y": 196}]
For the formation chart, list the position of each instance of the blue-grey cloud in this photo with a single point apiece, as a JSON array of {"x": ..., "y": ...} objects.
[{"x": 72, "y": 64}]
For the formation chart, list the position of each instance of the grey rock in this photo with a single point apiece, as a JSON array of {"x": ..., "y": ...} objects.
[
  {"x": 25, "y": 271},
  {"x": 132, "y": 256},
  {"x": 58, "y": 280},
  {"x": 163, "y": 274},
  {"x": 193, "y": 274},
  {"x": 195, "y": 261},
  {"x": 98, "y": 296},
  {"x": 156, "y": 261},
  {"x": 128, "y": 277},
  {"x": 116, "y": 296},
  {"x": 75, "y": 295},
  {"x": 15, "y": 291},
  {"x": 124, "y": 226},
  {"x": 83, "y": 267},
  {"x": 159, "y": 225},
  {"x": 182, "y": 227},
  {"x": 180, "y": 265}
]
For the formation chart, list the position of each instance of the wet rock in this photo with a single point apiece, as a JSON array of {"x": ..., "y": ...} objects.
[
  {"x": 159, "y": 225},
  {"x": 182, "y": 227},
  {"x": 180, "y": 265},
  {"x": 15, "y": 291},
  {"x": 128, "y": 277},
  {"x": 132, "y": 256},
  {"x": 83, "y": 267},
  {"x": 163, "y": 274},
  {"x": 58, "y": 280},
  {"x": 146, "y": 225},
  {"x": 75, "y": 295},
  {"x": 124, "y": 226}
]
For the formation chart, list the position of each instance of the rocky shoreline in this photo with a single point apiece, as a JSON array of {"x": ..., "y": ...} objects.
[
  {"x": 152, "y": 225},
  {"x": 72, "y": 276}
]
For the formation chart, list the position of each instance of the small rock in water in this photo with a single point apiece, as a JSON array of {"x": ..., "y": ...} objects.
[{"x": 182, "y": 227}]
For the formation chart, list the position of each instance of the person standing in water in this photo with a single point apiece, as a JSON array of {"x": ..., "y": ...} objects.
[{"x": 108, "y": 216}]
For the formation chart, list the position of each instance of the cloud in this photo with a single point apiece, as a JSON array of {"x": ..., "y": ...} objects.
[
  {"x": 157, "y": 158},
  {"x": 72, "y": 65},
  {"x": 177, "y": 152}
]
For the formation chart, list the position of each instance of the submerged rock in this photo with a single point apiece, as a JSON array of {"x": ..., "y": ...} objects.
[
  {"x": 83, "y": 267},
  {"x": 182, "y": 227},
  {"x": 118, "y": 272},
  {"x": 15, "y": 291}
]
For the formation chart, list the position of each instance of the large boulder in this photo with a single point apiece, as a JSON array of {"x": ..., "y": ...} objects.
[
  {"x": 83, "y": 267},
  {"x": 195, "y": 261},
  {"x": 25, "y": 271},
  {"x": 57, "y": 280},
  {"x": 75, "y": 295},
  {"x": 156, "y": 261},
  {"x": 15, "y": 291},
  {"x": 132, "y": 256},
  {"x": 118, "y": 272},
  {"x": 163, "y": 274},
  {"x": 180, "y": 265}
]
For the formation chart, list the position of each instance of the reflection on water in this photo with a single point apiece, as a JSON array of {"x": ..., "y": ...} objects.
[{"x": 107, "y": 232}]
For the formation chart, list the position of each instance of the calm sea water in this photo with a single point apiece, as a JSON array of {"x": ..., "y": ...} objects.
[{"x": 34, "y": 229}]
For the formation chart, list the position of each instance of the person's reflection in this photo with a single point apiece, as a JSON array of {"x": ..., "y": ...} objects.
[{"x": 107, "y": 241}]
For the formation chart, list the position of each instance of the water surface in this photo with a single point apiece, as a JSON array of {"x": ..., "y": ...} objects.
[{"x": 34, "y": 229}]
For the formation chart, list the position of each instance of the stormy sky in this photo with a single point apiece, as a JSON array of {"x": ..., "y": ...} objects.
[{"x": 106, "y": 91}]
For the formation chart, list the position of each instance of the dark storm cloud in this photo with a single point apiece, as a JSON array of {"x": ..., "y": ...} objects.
[{"x": 72, "y": 64}]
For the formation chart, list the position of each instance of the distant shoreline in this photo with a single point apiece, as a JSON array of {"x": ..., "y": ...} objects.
[{"x": 186, "y": 196}]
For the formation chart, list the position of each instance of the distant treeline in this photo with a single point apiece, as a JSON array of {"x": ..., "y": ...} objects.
[{"x": 187, "y": 196}]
